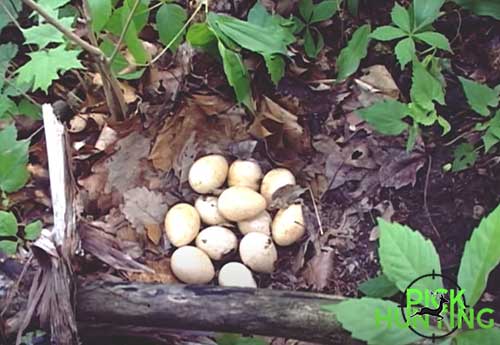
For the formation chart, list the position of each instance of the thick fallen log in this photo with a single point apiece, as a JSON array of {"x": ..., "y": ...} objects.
[{"x": 288, "y": 314}]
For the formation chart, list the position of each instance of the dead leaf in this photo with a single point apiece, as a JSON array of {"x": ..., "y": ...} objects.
[
  {"x": 380, "y": 80},
  {"x": 211, "y": 104},
  {"x": 319, "y": 269},
  {"x": 286, "y": 196},
  {"x": 107, "y": 137},
  {"x": 162, "y": 273},
  {"x": 153, "y": 231},
  {"x": 401, "y": 169},
  {"x": 143, "y": 208}
]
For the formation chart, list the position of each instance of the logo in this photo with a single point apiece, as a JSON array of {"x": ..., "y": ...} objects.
[{"x": 434, "y": 312}]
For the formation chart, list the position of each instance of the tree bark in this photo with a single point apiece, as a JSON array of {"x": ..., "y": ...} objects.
[{"x": 288, "y": 314}]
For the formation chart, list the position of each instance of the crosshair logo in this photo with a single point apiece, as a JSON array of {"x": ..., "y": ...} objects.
[{"x": 433, "y": 312}]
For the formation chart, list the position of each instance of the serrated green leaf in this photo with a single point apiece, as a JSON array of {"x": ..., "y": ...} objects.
[
  {"x": 405, "y": 51},
  {"x": 481, "y": 8},
  {"x": 479, "y": 96},
  {"x": 323, "y": 11},
  {"x": 8, "y": 247},
  {"x": 386, "y": 116},
  {"x": 378, "y": 287},
  {"x": 7, "y": 52},
  {"x": 388, "y": 33},
  {"x": 44, "y": 66},
  {"x": 425, "y": 88},
  {"x": 434, "y": 39},
  {"x": 237, "y": 75},
  {"x": 406, "y": 255},
  {"x": 480, "y": 257},
  {"x": 33, "y": 230},
  {"x": 401, "y": 17},
  {"x": 306, "y": 9},
  {"x": 426, "y": 12},
  {"x": 464, "y": 157},
  {"x": 13, "y": 160},
  {"x": 356, "y": 50},
  {"x": 275, "y": 67},
  {"x": 7, "y": 106},
  {"x": 100, "y": 12},
  {"x": 14, "y": 7},
  {"x": 8, "y": 224},
  {"x": 359, "y": 316},
  {"x": 479, "y": 337},
  {"x": 170, "y": 19},
  {"x": 43, "y": 34}
]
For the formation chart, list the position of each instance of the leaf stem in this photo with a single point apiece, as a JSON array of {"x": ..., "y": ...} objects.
[
  {"x": 68, "y": 33},
  {"x": 124, "y": 31}
]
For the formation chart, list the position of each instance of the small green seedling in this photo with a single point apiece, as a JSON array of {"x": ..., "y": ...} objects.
[
  {"x": 411, "y": 26},
  {"x": 410, "y": 264},
  {"x": 9, "y": 234},
  {"x": 313, "y": 14}
]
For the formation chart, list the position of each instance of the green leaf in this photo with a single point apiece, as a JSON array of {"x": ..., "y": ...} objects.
[
  {"x": 199, "y": 35},
  {"x": 425, "y": 88},
  {"x": 26, "y": 108},
  {"x": 479, "y": 336},
  {"x": 406, "y": 255},
  {"x": 387, "y": 33},
  {"x": 170, "y": 19},
  {"x": 479, "y": 96},
  {"x": 52, "y": 6},
  {"x": 237, "y": 75},
  {"x": 100, "y": 12},
  {"x": 401, "y": 17},
  {"x": 323, "y": 11},
  {"x": 275, "y": 67},
  {"x": 464, "y": 157},
  {"x": 356, "y": 50},
  {"x": 33, "y": 230},
  {"x": 492, "y": 135},
  {"x": 434, "y": 39},
  {"x": 14, "y": 7},
  {"x": 44, "y": 65},
  {"x": 13, "y": 160},
  {"x": 7, "y": 106},
  {"x": 313, "y": 46},
  {"x": 7, "y": 52},
  {"x": 364, "y": 319},
  {"x": 43, "y": 34},
  {"x": 353, "y": 7},
  {"x": 378, "y": 287},
  {"x": 405, "y": 51},
  {"x": 236, "y": 339},
  {"x": 482, "y": 7},
  {"x": 426, "y": 12},
  {"x": 8, "y": 224},
  {"x": 306, "y": 8},
  {"x": 262, "y": 40},
  {"x": 385, "y": 116},
  {"x": 8, "y": 247},
  {"x": 480, "y": 257}
]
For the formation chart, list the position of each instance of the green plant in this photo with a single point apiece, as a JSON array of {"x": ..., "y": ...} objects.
[
  {"x": 237, "y": 339},
  {"x": 9, "y": 232},
  {"x": 405, "y": 255},
  {"x": 13, "y": 160},
  {"x": 427, "y": 88},
  {"x": 312, "y": 14},
  {"x": 264, "y": 34},
  {"x": 481, "y": 7},
  {"x": 483, "y": 100},
  {"x": 356, "y": 50},
  {"x": 411, "y": 26}
]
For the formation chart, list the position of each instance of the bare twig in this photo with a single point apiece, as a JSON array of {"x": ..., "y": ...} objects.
[
  {"x": 68, "y": 33},
  {"x": 316, "y": 212},
  {"x": 124, "y": 31}
]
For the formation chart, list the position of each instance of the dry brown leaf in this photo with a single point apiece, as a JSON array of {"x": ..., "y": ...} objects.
[
  {"x": 211, "y": 104},
  {"x": 153, "y": 231},
  {"x": 143, "y": 208},
  {"x": 380, "y": 80},
  {"x": 319, "y": 269},
  {"x": 162, "y": 273}
]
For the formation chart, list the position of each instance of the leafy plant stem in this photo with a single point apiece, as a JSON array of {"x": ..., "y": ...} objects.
[
  {"x": 124, "y": 31},
  {"x": 28, "y": 97},
  {"x": 112, "y": 91},
  {"x": 54, "y": 22},
  {"x": 184, "y": 27}
]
